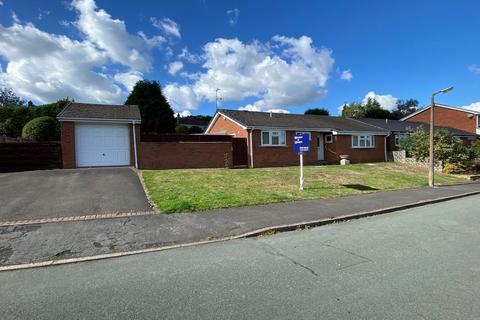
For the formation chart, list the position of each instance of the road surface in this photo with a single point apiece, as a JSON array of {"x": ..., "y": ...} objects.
[{"x": 422, "y": 263}]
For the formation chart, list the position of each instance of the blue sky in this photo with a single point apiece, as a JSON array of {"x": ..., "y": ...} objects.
[{"x": 263, "y": 55}]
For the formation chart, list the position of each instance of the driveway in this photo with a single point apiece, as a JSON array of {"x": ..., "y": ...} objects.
[{"x": 53, "y": 193}]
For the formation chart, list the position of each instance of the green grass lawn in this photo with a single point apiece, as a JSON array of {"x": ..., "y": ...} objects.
[{"x": 201, "y": 189}]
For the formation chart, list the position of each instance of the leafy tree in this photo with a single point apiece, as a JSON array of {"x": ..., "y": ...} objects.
[
  {"x": 157, "y": 115},
  {"x": 446, "y": 148},
  {"x": 318, "y": 111},
  {"x": 183, "y": 129},
  {"x": 353, "y": 110},
  {"x": 41, "y": 129},
  {"x": 9, "y": 98},
  {"x": 404, "y": 108}
]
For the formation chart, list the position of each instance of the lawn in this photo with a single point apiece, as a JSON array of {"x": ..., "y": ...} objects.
[{"x": 201, "y": 189}]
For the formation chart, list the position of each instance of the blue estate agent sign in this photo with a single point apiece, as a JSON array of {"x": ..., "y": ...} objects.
[{"x": 301, "y": 142}]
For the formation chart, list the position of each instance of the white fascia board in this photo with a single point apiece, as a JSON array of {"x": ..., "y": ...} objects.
[
  {"x": 130, "y": 121},
  {"x": 369, "y": 133},
  {"x": 223, "y": 115},
  {"x": 328, "y": 130}
]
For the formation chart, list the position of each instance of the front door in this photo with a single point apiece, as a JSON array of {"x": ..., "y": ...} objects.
[{"x": 320, "y": 151}]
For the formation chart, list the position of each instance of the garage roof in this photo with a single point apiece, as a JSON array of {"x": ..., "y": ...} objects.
[{"x": 100, "y": 112}]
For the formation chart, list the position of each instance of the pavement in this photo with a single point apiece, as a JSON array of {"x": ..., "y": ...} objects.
[
  {"x": 420, "y": 263},
  {"x": 54, "y": 193},
  {"x": 39, "y": 242}
]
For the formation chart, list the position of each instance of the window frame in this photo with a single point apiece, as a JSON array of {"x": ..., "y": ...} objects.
[
  {"x": 398, "y": 136},
  {"x": 279, "y": 133},
  {"x": 363, "y": 137},
  {"x": 327, "y": 140}
]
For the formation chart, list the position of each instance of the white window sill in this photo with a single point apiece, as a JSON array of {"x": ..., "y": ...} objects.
[
  {"x": 363, "y": 147},
  {"x": 274, "y": 145}
]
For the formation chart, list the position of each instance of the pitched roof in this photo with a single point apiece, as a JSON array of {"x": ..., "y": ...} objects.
[
  {"x": 441, "y": 106},
  {"x": 404, "y": 126},
  {"x": 76, "y": 110},
  {"x": 298, "y": 121}
]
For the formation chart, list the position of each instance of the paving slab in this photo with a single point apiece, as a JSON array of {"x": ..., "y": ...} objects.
[{"x": 69, "y": 239}]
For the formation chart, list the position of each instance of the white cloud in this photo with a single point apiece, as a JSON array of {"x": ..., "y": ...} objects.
[
  {"x": 168, "y": 26},
  {"x": 291, "y": 72},
  {"x": 128, "y": 79},
  {"x": 473, "y": 68},
  {"x": 45, "y": 67},
  {"x": 183, "y": 114},
  {"x": 252, "y": 107},
  {"x": 233, "y": 16},
  {"x": 346, "y": 75},
  {"x": 174, "y": 67},
  {"x": 473, "y": 106},
  {"x": 189, "y": 57},
  {"x": 1, "y": 3},
  {"x": 387, "y": 101},
  {"x": 181, "y": 97}
]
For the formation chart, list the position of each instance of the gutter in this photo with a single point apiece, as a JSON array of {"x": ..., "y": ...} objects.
[{"x": 250, "y": 146}]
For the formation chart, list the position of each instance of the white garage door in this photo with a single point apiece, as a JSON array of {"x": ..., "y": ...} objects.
[{"x": 102, "y": 145}]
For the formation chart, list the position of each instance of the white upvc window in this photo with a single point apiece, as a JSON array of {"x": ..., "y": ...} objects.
[
  {"x": 305, "y": 132},
  {"x": 273, "y": 138},
  {"x": 398, "y": 138},
  {"x": 328, "y": 138},
  {"x": 360, "y": 141}
]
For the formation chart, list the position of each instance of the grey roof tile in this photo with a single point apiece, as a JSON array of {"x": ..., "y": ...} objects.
[
  {"x": 298, "y": 121},
  {"x": 100, "y": 111}
]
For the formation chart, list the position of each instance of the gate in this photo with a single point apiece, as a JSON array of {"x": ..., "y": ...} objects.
[{"x": 239, "y": 154}]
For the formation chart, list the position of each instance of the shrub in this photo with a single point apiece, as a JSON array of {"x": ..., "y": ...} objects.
[
  {"x": 456, "y": 168},
  {"x": 41, "y": 129},
  {"x": 10, "y": 128}
]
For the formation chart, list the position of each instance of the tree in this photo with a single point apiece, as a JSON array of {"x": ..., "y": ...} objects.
[
  {"x": 404, "y": 108},
  {"x": 446, "y": 148},
  {"x": 353, "y": 110},
  {"x": 157, "y": 115},
  {"x": 9, "y": 98},
  {"x": 41, "y": 129},
  {"x": 318, "y": 111}
]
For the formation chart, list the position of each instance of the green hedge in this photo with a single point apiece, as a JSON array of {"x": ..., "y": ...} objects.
[
  {"x": 14, "y": 118},
  {"x": 42, "y": 129}
]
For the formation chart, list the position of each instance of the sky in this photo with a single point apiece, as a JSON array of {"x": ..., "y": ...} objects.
[{"x": 283, "y": 56}]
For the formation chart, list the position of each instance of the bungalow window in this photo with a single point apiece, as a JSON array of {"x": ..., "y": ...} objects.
[
  {"x": 273, "y": 138},
  {"x": 328, "y": 138},
  {"x": 398, "y": 138},
  {"x": 362, "y": 141}
]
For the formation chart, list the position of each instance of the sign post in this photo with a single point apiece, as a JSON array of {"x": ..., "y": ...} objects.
[{"x": 301, "y": 144}]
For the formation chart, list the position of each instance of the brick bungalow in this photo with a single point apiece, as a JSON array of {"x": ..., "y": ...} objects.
[
  {"x": 269, "y": 137},
  {"x": 448, "y": 116},
  {"x": 398, "y": 129}
]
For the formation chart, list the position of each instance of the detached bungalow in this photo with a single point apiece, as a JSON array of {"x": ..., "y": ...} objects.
[
  {"x": 269, "y": 137},
  {"x": 399, "y": 129}
]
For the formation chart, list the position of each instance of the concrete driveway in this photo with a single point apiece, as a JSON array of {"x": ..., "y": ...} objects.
[{"x": 53, "y": 193}]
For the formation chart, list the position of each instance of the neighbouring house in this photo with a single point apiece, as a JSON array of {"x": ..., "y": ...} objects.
[
  {"x": 448, "y": 116},
  {"x": 398, "y": 129},
  {"x": 269, "y": 137},
  {"x": 99, "y": 135}
]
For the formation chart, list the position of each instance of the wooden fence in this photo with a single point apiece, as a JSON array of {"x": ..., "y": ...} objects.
[{"x": 24, "y": 156}]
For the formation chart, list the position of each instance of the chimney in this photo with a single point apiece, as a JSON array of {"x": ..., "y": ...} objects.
[
  {"x": 271, "y": 114},
  {"x": 386, "y": 120}
]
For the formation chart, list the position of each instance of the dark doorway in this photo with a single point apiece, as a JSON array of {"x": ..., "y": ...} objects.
[{"x": 240, "y": 153}]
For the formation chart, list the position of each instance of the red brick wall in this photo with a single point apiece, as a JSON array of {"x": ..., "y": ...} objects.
[
  {"x": 179, "y": 155},
  {"x": 67, "y": 131},
  {"x": 448, "y": 118},
  {"x": 226, "y": 126},
  {"x": 343, "y": 145}
]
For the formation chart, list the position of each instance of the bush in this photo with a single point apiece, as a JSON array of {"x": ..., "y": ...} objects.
[
  {"x": 456, "y": 168},
  {"x": 41, "y": 129},
  {"x": 10, "y": 128}
]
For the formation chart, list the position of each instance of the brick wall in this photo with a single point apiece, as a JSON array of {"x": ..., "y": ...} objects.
[
  {"x": 67, "y": 130},
  {"x": 225, "y": 126},
  {"x": 343, "y": 145},
  {"x": 180, "y": 155},
  {"x": 448, "y": 118}
]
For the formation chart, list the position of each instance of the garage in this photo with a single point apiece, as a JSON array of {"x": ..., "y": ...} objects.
[
  {"x": 102, "y": 145},
  {"x": 96, "y": 135}
]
